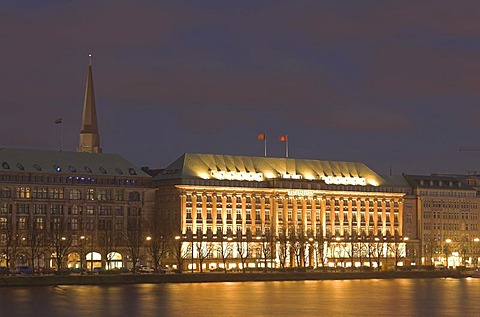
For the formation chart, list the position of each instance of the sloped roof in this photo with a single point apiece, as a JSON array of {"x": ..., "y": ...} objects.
[
  {"x": 65, "y": 162},
  {"x": 438, "y": 182},
  {"x": 191, "y": 166}
]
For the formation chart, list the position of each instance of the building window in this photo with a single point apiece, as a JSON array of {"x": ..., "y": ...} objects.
[
  {"x": 39, "y": 193},
  {"x": 39, "y": 223},
  {"x": 23, "y": 209},
  {"x": 199, "y": 213},
  {"x": 22, "y": 223},
  {"x": 90, "y": 210},
  {"x": 40, "y": 209},
  {"x": 5, "y": 192},
  {"x": 105, "y": 210},
  {"x": 74, "y": 224},
  {"x": 23, "y": 192},
  {"x": 104, "y": 195},
  {"x": 134, "y": 196},
  {"x": 75, "y": 210},
  {"x": 90, "y": 194},
  {"x": 119, "y": 195},
  {"x": 119, "y": 211},
  {"x": 75, "y": 194},
  {"x": 3, "y": 223},
  {"x": 56, "y": 193},
  {"x": 56, "y": 209}
]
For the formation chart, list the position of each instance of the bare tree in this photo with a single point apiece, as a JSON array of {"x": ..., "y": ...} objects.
[
  {"x": 243, "y": 249},
  {"x": 109, "y": 241},
  {"x": 225, "y": 249},
  {"x": 157, "y": 244},
  {"x": 10, "y": 243},
  {"x": 283, "y": 246},
  {"x": 60, "y": 241},
  {"x": 179, "y": 250},
  {"x": 321, "y": 246},
  {"x": 378, "y": 252},
  {"x": 133, "y": 241},
  {"x": 204, "y": 250},
  {"x": 35, "y": 242}
]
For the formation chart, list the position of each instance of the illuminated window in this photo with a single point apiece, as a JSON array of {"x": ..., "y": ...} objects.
[
  {"x": 90, "y": 194},
  {"x": 23, "y": 192},
  {"x": 39, "y": 223}
]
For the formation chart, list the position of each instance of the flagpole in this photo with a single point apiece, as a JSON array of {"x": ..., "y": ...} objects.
[
  {"x": 61, "y": 135},
  {"x": 265, "y": 143},
  {"x": 286, "y": 145}
]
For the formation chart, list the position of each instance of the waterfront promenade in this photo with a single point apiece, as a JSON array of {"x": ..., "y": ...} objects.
[{"x": 123, "y": 279}]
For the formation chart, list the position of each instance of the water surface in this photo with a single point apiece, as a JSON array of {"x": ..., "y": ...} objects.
[{"x": 396, "y": 297}]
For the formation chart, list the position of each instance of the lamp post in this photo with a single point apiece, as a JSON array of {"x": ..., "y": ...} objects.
[
  {"x": 148, "y": 239},
  {"x": 82, "y": 252},
  {"x": 91, "y": 254},
  {"x": 178, "y": 250},
  {"x": 405, "y": 239}
]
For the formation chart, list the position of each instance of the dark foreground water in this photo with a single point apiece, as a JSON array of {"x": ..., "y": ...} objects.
[{"x": 400, "y": 297}]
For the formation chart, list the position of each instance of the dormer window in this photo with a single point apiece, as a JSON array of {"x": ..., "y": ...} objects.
[
  {"x": 119, "y": 171},
  {"x": 131, "y": 171},
  {"x": 20, "y": 167},
  {"x": 37, "y": 167},
  {"x": 88, "y": 169},
  {"x": 5, "y": 166},
  {"x": 72, "y": 169},
  {"x": 103, "y": 170},
  {"x": 57, "y": 168}
]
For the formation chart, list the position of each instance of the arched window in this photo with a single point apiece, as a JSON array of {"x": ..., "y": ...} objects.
[{"x": 75, "y": 194}]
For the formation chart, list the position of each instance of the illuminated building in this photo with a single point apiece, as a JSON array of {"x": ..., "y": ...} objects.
[
  {"x": 447, "y": 210},
  {"x": 282, "y": 212}
]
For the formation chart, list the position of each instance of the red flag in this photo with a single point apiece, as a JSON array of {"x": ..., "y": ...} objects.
[
  {"x": 283, "y": 138},
  {"x": 261, "y": 136}
]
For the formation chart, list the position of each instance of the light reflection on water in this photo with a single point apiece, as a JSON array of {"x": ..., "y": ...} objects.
[{"x": 400, "y": 297}]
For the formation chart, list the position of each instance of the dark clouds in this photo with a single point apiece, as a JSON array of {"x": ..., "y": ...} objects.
[{"x": 383, "y": 82}]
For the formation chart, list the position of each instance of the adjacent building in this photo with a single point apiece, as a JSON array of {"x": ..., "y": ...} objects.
[{"x": 447, "y": 220}]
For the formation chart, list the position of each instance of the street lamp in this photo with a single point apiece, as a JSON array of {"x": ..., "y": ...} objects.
[
  {"x": 405, "y": 239},
  {"x": 148, "y": 239},
  {"x": 82, "y": 252}
]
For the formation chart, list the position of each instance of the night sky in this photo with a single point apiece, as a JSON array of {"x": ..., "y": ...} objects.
[{"x": 380, "y": 82}]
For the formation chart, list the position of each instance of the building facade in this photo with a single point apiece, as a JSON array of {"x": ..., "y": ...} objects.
[
  {"x": 447, "y": 220},
  {"x": 258, "y": 212}
]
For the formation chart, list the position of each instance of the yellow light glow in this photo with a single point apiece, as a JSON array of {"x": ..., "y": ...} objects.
[{"x": 337, "y": 180}]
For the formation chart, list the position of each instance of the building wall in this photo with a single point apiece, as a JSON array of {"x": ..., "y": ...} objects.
[
  {"x": 215, "y": 215},
  {"x": 99, "y": 209}
]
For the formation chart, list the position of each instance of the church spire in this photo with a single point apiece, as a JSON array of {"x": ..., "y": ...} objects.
[{"x": 89, "y": 136}]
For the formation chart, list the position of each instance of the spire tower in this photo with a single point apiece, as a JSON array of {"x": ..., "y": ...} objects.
[{"x": 89, "y": 136}]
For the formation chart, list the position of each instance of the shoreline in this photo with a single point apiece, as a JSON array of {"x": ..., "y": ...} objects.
[{"x": 128, "y": 279}]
